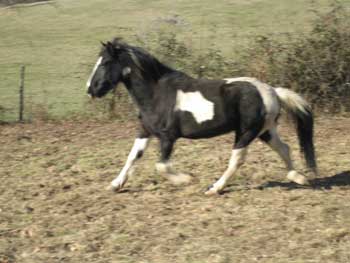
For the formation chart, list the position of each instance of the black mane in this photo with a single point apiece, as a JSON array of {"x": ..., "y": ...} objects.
[{"x": 149, "y": 66}]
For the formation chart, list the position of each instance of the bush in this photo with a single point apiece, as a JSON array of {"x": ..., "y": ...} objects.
[
  {"x": 316, "y": 65},
  {"x": 169, "y": 48}
]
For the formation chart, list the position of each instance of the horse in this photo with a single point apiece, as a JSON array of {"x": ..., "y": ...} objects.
[{"x": 173, "y": 105}]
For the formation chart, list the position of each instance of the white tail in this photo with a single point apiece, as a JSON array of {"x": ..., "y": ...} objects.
[
  {"x": 301, "y": 112},
  {"x": 293, "y": 100}
]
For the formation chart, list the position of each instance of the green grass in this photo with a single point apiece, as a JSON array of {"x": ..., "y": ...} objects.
[{"x": 59, "y": 42}]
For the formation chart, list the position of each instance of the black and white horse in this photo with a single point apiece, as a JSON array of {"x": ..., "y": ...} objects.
[{"x": 174, "y": 105}]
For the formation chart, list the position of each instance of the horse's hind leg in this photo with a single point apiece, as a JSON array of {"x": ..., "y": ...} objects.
[
  {"x": 273, "y": 140},
  {"x": 236, "y": 160},
  {"x": 239, "y": 153}
]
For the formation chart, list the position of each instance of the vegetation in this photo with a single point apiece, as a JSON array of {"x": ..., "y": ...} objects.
[
  {"x": 315, "y": 64},
  {"x": 59, "y": 43}
]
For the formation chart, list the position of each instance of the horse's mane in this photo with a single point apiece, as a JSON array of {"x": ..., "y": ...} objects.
[{"x": 148, "y": 65}]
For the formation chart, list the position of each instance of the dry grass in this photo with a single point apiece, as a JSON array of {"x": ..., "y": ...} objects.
[{"x": 54, "y": 206}]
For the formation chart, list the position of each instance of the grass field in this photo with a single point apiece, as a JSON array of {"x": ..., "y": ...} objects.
[
  {"x": 58, "y": 42},
  {"x": 54, "y": 206}
]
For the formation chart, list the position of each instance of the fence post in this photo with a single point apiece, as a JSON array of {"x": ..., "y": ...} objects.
[
  {"x": 201, "y": 71},
  {"x": 21, "y": 94}
]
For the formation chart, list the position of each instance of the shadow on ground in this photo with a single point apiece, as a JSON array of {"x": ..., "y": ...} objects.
[{"x": 325, "y": 183}]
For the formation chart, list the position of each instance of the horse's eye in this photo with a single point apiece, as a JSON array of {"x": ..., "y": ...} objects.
[{"x": 106, "y": 63}]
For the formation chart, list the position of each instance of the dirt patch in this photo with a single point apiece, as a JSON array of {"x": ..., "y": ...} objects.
[{"x": 54, "y": 206}]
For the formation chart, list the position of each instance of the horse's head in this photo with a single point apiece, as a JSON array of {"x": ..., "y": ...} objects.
[
  {"x": 120, "y": 62},
  {"x": 108, "y": 71}
]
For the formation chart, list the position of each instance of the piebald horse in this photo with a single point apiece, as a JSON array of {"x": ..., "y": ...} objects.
[{"x": 174, "y": 105}]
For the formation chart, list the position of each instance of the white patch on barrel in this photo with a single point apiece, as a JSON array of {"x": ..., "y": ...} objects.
[
  {"x": 98, "y": 63},
  {"x": 269, "y": 97},
  {"x": 194, "y": 102}
]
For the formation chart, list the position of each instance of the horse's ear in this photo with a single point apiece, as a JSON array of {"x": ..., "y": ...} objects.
[
  {"x": 103, "y": 44},
  {"x": 111, "y": 49}
]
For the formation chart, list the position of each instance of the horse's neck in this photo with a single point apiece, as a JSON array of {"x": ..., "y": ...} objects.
[
  {"x": 142, "y": 93},
  {"x": 143, "y": 90}
]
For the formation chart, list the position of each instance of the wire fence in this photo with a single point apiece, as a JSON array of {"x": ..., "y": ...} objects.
[
  {"x": 24, "y": 101},
  {"x": 54, "y": 86}
]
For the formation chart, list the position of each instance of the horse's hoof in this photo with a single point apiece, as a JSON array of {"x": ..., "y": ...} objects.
[
  {"x": 115, "y": 187},
  {"x": 179, "y": 179},
  {"x": 298, "y": 178},
  {"x": 117, "y": 184},
  {"x": 211, "y": 191},
  {"x": 112, "y": 188}
]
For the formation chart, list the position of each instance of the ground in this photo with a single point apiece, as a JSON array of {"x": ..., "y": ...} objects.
[{"x": 54, "y": 206}]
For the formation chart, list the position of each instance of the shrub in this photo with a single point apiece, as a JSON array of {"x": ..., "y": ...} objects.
[{"x": 316, "y": 64}]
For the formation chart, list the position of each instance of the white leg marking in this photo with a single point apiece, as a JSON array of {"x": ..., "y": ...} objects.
[
  {"x": 140, "y": 145},
  {"x": 98, "y": 63},
  {"x": 283, "y": 150},
  {"x": 236, "y": 160},
  {"x": 297, "y": 177},
  {"x": 170, "y": 174},
  {"x": 194, "y": 102},
  {"x": 164, "y": 168}
]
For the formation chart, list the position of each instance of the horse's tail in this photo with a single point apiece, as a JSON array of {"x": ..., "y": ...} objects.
[{"x": 301, "y": 113}]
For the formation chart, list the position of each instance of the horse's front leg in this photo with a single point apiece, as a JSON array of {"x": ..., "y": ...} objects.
[
  {"x": 164, "y": 167},
  {"x": 140, "y": 145}
]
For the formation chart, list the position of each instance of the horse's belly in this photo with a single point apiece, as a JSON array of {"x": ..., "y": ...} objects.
[{"x": 190, "y": 128}]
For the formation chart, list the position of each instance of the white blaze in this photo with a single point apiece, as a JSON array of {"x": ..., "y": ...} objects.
[
  {"x": 194, "y": 102},
  {"x": 93, "y": 72}
]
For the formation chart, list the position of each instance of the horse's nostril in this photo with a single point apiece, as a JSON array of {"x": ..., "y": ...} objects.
[{"x": 90, "y": 93}]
